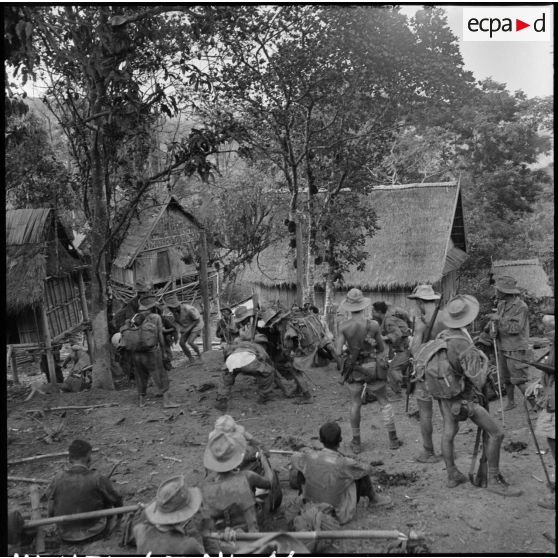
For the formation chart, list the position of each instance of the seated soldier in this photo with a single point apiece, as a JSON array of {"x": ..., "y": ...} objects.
[
  {"x": 228, "y": 492},
  {"x": 81, "y": 489},
  {"x": 331, "y": 482},
  {"x": 227, "y": 424},
  {"x": 174, "y": 524}
]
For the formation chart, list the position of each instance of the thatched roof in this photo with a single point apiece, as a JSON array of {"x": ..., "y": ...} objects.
[
  {"x": 35, "y": 249},
  {"x": 142, "y": 226},
  {"x": 420, "y": 224},
  {"x": 529, "y": 275}
]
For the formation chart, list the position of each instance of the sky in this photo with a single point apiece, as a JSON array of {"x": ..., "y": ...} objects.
[{"x": 521, "y": 65}]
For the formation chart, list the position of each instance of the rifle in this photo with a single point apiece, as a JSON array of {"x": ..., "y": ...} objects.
[{"x": 544, "y": 367}]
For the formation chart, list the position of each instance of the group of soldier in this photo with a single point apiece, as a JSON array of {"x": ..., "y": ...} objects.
[
  {"x": 387, "y": 350},
  {"x": 377, "y": 356}
]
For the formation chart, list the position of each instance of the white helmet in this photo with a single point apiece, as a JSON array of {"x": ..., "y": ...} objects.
[{"x": 116, "y": 340}]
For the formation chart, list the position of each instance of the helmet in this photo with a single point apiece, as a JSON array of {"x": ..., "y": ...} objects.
[{"x": 116, "y": 340}]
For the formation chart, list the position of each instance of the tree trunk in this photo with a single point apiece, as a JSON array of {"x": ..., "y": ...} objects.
[
  {"x": 102, "y": 376},
  {"x": 310, "y": 266},
  {"x": 204, "y": 291},
  {"x": 299, "y": 262},
  {"x": 329, "y": 302}
]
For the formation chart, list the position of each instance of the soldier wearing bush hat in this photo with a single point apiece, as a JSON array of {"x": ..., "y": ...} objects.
[{"x": 509, "y": 326}]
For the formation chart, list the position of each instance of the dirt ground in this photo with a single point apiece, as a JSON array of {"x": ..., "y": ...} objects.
[{"x": 155, "y": 443}]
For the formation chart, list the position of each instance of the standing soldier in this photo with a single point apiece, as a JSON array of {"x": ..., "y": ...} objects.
[
  {"x": 145, "y": 341},
  {"x": 365, "y": 365},
  {"x": 455, "y": 372},
  {"x": 395, "y": 332},
  {"x": 510, "y": 327},
  {"x": 545, "y": 386},
  {"x": 427, "y": 302},
  {"x": 189, "y": 322}
]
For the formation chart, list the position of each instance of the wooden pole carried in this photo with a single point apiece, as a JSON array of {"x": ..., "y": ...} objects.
[
  {"x": 320, "y": 535},
  {"x": 43, "y": 456}
]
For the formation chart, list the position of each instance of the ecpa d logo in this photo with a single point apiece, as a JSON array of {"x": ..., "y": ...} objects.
[{"x": 507, "y": 23}]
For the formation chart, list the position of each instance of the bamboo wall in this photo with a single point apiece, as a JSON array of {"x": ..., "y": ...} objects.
[{"x": 62, "y": 304}]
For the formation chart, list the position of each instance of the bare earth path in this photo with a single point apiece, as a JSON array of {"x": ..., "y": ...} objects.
[{"x": 154, "y": 444}]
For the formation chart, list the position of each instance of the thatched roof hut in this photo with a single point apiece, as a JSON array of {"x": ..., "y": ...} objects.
[
  {"x": 421, "y": 240},
  {"x": 37, "y": 247},
  {"x": 529, "y": 274}
]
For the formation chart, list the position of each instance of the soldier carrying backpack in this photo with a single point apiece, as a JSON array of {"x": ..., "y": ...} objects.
[
  {"x": 142, "y": 336},
  {"x": 454, "y": 372}
]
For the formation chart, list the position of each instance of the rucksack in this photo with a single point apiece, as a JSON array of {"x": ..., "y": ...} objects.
[
  {"x": 442, "y": 381},
  {"x": 140, "y": 337}
]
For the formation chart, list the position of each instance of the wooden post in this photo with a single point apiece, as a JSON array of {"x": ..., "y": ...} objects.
[
  {"x": 36, "y": 514},
  {"x": 13, "y": 359},
  {"x": 85, "y": 312},
  {"x": 48, "y": 342},
  {"x": 218, "y": 293},
  {"x": 299, "y": 263},
  {"x": 204, "y": 290}
]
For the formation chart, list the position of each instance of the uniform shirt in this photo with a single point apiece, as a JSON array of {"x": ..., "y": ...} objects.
[
  {"x": 330, "y": 478},
  {"x": 391, "y": 330},
  {"x": 77, "y": 490},
  {"x": 513, "y": 324},
  {"x": 183, "y": 539}
]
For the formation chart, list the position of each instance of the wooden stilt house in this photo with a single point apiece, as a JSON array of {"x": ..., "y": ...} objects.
[
  {"x": 529, "y": 274},
  {"x": 45, "y": 293}
]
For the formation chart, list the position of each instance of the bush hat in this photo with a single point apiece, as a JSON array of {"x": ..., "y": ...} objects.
[
  {"x": 424, "y": 292},
  {"x": 239, "y": 359},
  {"x": 460, "y": 311},
  {"x": 172, "y": 301},
  {"x": 147, "y": 302},
  {"x": 224, "y": 452},
  {"x": 241, "y": 313},
  {"x": 355, "y": 301},
  {"x": 226, "y": 423},
  {"x": 506, "y": 284},
  {"x": 174, "y": 503}
]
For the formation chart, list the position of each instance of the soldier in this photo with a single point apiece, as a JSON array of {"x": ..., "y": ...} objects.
[
  {"x": 544, "y": 388},
  {"x": 463, "y": 397},
  {"x": 228, "y": 492},
  {"x": 395, "y": 332},
  {"x": 189, "y": 322},
  {"x": 147, "y": 352},
  {"x": 426, "y": 301},
  {"x": 81, "y": 489},
  {"x": 365, "y": 365},
  {"x": 280, "y": 347},
  {"x": 510, "y": 327},
  {"x": 331, "y": 482}
]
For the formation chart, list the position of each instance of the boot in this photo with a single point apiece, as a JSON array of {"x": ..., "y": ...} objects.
[
  {"x": 141, "y": 401},
  {"x": 455, "y": 477},
  {"x": 379, "y": 501},
  {"x": 168, "y": 403},
  {"x": 428, "y": 456},
  {"x": 394, "y": 441},
  {"x": 498, "y": 485},
  {"x": 548, "y": 502}
]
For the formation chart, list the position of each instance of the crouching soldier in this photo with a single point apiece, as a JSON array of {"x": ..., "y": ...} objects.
[
  {"x": 455, "y": 371},
  {"x": 331, "y": 484}
]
